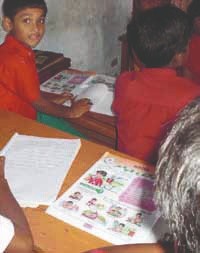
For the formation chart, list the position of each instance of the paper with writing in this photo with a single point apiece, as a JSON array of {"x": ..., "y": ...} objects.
[{"x": 36, "y": 167}]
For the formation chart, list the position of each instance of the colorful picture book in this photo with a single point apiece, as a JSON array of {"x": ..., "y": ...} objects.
[
  {"x": 98, "y": 88},
  {"x": 113, "y": 200}
]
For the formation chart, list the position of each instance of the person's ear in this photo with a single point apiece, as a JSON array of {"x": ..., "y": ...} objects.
[
  {"x": 179, "y": 59},
  {"x": 137, "y": 64},
  {"x": 7, "y": 24}
]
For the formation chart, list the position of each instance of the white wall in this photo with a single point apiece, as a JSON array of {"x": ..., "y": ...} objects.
[{"x": 87, "y": 31}]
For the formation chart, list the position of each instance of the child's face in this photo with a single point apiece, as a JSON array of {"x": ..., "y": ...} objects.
[{"x": 28, "y": 26}]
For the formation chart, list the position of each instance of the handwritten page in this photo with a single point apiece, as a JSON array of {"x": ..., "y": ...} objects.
[
  {"x": 113, "y": 200},
  {"x": 36, "y": 167}
]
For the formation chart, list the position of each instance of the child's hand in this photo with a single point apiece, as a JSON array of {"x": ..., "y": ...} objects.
[
  {"x": 2, "y": 164},
  {"x": 61, "y": 98},
  {"x": 79, "y": 107}
]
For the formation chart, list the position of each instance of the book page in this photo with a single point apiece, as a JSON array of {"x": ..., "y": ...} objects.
[
  {"x": 98, "y": 88},
  {"x": 112, "y": 200},
  {"x": 64, "y": 81},
  {"x": 95, "y": 93},
  {"x": 36, "y": 167},
  {"x": 104, "y": 107}
]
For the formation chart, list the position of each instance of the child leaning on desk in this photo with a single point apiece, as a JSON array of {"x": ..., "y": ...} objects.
[
  {"x": 24, "y": 22},
  {"x": 146, "y": 101}
]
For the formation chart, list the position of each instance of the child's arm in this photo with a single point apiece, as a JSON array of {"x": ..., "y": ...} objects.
[
  {"x": 22, "y": 241},
  {"x": 77, "y": 108},
  {"x": 57, "y": 98},
  {"x": 133, "y": 248}
]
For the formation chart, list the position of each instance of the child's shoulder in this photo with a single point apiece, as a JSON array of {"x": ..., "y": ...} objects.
[
  {"x": 4, "y": 49},
  {"x": 10, "y": 56},
  {"x": 8, "y": 59},
  {"x": 126, "y": 76},
  {"x": 12, "y": 48}
]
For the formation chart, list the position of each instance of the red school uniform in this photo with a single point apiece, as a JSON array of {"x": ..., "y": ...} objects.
[
  {"x": 193, "y": 60},
  {"x": 146, "y": 104},
  {"x": 19, "y": 82}
]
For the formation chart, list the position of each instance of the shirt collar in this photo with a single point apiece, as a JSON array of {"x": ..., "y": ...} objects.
[
  {"x": 159, "y": 73},
  {"x": 155, "y": 77},
  {"x": 14, "y": 43}
]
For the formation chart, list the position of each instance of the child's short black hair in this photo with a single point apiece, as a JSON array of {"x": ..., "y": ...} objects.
[
  {"x": 194, "y": 9},
  {"x": 11, "y": 7},
  {"x": 156, "y": 35}
]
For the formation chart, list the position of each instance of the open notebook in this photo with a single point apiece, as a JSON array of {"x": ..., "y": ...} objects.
[{"x": 98, "y": 88}]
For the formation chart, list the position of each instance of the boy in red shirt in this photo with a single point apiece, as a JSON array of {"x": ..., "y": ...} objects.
[
  {"x": 193, "y": 61},
  {"x": 24, "y": 22},
  {"x": 146, "y": 102}
]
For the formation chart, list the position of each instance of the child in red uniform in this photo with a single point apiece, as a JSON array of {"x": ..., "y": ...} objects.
[
  {"x": 146, "y": 102},
  {"x": 24, "y": 22},
  {"x": 193, "y": 61}
]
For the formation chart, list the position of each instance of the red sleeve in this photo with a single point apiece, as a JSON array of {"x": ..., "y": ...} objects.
[
  {"x": 10, "y": 100},
  {"x": 121, "y": 85},
  {"x": 21, "y": 79}
]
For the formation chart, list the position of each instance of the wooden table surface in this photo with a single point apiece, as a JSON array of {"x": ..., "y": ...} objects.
[{"x": 50, "y": 234}]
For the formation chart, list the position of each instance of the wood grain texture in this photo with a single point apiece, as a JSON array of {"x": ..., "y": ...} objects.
[{"x": 51, "y": 235}]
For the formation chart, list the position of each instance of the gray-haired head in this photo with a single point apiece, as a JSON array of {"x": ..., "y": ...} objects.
[{"x": 178, "y": 179}]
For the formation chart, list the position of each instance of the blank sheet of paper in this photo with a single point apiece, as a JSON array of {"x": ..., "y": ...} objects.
[{"x": 36, "y": 167}]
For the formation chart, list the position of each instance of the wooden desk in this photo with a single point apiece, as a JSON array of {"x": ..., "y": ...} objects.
[
  {"x": 96, "y": 127},
  {"x": 49, "y": 63},
  {"x": 50, "y": 234}
]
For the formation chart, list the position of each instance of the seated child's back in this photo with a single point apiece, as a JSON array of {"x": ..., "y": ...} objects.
[{"x": 146, "y": 102}]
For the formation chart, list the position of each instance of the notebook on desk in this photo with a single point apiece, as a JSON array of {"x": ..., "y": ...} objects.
[
  {"x": 98, "y": 88},
  {"x": 36, "y": 167}
]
